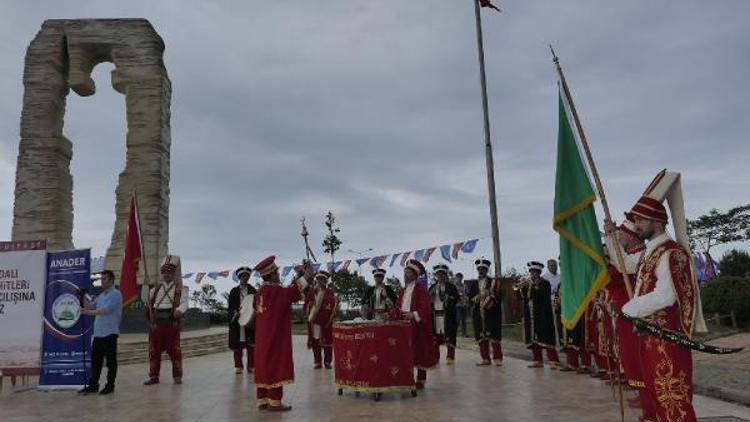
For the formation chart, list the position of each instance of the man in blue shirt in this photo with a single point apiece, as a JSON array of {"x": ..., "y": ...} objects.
[{"x": 107, "y": 307}]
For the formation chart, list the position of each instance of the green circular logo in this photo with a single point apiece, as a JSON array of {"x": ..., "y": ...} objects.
[{"x": 66, "y": 310}]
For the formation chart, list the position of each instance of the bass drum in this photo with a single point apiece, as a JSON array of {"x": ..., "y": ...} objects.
[{"x": 246, "y": 310}]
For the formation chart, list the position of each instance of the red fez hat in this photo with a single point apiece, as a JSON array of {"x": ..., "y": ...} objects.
[
  {"x": 170, "y": 264},
  {"x": 267, "y": 266},
  {"x": 650, "y": 209},
  {"x": 416, "y": 266}
]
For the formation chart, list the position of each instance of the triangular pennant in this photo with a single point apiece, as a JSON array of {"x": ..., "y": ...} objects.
[
  {"x": 394, "y": 258},
  {"x": 361, "y": 261},
  {"x": 469, "y": 246},
  {"x": 456, "y": 248},
  {"x": 199, "y": 277},
  {"x": 428, "y": 253},
  {"x": 187, "y": 275},
  {"x": 445, "y": 252},
  {"x": 404, "y": 258}
]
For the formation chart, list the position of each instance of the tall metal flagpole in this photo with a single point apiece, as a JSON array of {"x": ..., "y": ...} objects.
[{"x": 488, "y": 144}]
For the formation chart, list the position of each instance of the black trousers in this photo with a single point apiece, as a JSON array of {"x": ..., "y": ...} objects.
[{"x": 101, "y": 348}]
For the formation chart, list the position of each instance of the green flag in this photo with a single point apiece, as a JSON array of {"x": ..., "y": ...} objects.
[{"x": 582, "y": 267}]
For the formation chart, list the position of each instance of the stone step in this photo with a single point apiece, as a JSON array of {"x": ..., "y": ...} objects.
[
  {"x": 137, "y": 352},
  {"x": 186, "y": 340},
  {"x": 185, "y": 352},
  {"x": 130, "y": 359},
  {"x": 124, "y": 348}
]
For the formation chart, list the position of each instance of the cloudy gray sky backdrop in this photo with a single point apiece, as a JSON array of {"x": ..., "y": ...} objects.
[{"x": 371, "y": 109}]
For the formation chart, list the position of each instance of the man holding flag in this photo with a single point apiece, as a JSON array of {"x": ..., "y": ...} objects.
[
  {"x": 667, "y": 296},
  {"x": 166, "y": 306}
]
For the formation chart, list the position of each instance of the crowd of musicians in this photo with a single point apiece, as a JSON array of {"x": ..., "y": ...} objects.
[{"x": 603, "y": 344}]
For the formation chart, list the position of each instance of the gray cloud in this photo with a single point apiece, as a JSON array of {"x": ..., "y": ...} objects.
[{"x": 372, "y": 110}]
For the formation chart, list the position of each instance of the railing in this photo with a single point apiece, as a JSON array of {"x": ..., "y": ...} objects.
[{"x": 716, "y": 319}]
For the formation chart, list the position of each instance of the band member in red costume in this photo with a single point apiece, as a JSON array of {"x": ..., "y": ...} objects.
[
  {"x": 274, "y": 364},
  {"x": 320, "y": 308},
  {"x": 166, "y": 304},
  {"x": 414, "y": 303},
  {"x": 665, "y": 295}
]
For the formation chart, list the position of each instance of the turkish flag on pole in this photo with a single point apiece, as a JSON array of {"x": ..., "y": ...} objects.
[{"x": 132, "y": 256}]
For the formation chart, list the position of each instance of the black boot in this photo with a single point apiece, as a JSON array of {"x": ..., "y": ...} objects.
[
  {"x": 89, "y": 389},
  {"x": 108, "y": 389}
]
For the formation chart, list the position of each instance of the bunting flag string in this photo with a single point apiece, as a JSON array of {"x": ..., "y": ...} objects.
[{"x": 448, "y": 252}]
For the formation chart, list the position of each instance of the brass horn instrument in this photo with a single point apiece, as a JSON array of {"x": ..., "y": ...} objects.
[{"x": 522, "y": 286}]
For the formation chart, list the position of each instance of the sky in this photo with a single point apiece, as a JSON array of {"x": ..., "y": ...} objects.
[{"x": 371, "y": 109}]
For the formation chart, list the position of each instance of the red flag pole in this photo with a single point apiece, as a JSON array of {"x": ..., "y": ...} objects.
[{"x": 140, "y": 239}]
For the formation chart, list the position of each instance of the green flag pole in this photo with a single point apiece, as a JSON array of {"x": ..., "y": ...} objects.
[
  {"x": 594, "y": 172},
  {"x": 605, "y": 205}
]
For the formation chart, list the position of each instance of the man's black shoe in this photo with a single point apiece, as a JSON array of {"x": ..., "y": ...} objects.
[
  {"x": 108, "y": 389},
  {"x": 89, "y": 389}
]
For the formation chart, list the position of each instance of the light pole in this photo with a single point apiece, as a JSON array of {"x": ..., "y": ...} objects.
[{"x": 359, "y": 254}]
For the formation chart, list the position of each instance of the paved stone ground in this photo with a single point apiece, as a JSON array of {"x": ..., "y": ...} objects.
[
  {"x": 211, "y": 392},
  {"x": 726, "y": 377}
]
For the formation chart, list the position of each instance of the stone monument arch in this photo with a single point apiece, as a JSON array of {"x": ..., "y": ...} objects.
[{"x": 61, "y": 57}]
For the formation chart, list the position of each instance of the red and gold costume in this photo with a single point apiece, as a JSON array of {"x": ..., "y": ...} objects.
[
  {"x": 415, "y": 300},
  {"x": 274, "y": 365},
  {"x": 596, "y": 341},
  {"x": 320, "y": 309},
  {"x": 616, "y": 295},
  {"x": 166, "y": 304},
  {"x": 665, "y": 295}
]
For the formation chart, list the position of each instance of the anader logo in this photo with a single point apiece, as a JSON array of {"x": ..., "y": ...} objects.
[{"x": 67, "y": 262}]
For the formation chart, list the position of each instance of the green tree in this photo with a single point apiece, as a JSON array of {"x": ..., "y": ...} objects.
[
  {"x": 205, "y": 298},
  {"x": 349, "y": 288},
  {"x": 735, "y": 263},
  {"x": 717, "y": 228},
  {"x": 395, "y": 284},
  {"x": 331, "y": 243}
]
